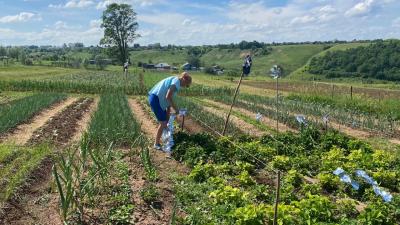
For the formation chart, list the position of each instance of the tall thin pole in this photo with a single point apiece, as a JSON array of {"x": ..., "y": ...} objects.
[
  {"x": 277, "y": 105},
  {"x": 278, "y": 186},
  {"x": 351, "y": 92},
  {"x": 233, "y": 102}
]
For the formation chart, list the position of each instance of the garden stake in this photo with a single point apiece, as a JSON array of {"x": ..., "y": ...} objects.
[
  {"x": 277, "y": 104},
  {"x": 183, "y": 122},
  {"x": 233, "y": 102},
  {"x": 277, "y": 198},
  {"x": 351, "y": 92}
]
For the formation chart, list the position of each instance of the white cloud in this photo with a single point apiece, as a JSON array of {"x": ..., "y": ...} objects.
[
  {"x": 365, "y": 7},
  {"x": 396, "y": 22},
  {"x": 361, "y": 8},
  {"x": 74, "y": 4},
  {"x": 143, "y": 3},
  {"x": 303, "y": 19},
  {"x": 21, "y": 17},
  {"x": 57, "y": 34},
  {"x": 95, "y": 23}
]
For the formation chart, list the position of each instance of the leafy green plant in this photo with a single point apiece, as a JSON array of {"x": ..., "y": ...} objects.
[
  {"x": 250, "y": 215},
  {"x": 150, "y": 194},
  {"x": 151, "y": 172}
]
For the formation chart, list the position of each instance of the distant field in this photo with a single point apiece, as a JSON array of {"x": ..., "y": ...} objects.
[
  {"x": 290, "y": 57},
  {"x": 19, "y": 72}
]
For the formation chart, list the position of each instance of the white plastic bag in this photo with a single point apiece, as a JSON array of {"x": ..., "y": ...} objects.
[{"x": 168, "y": 135}]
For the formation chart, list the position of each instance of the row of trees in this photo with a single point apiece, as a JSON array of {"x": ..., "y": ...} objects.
[{"x": 380, "y": 60}]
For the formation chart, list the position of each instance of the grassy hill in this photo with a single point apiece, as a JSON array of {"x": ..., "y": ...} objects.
[
  {"x": 290, "y": 57},
  {"x": 301, "y": 72}
]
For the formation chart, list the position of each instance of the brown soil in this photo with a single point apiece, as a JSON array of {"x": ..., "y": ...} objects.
[
  {"x": 21, "y": 134},
  {"x": 37, "y": 202},
  {"x": 190, "y": 125},
  {"x": 265, "y": 120},
  {"x": 83, "y": 123},
  {"x": 165, "y": 168},
  {"x": 60, "y": 128},
  {"x": 239, "y": 123}
]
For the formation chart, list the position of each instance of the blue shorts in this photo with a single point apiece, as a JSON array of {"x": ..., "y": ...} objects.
[{"x": 161, "y": 114}]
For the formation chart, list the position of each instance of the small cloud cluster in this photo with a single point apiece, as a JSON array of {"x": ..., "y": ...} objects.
[
  {"x": 21, "y": 17},
  {"x": 143, "y": 3},
  {"x": 73, "y": 4}
]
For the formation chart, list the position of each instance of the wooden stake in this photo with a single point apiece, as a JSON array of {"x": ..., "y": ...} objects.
[
  {"x": 278, "y": 186},
  {"x": 277, "y": 104},
  {"x": 351, "y": 92},
  {"x": 233, "y": 102},
  {"x": 183, "y": 122}
]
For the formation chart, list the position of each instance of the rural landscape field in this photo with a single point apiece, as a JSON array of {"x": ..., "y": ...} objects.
[{"x": 310, "y": 136}]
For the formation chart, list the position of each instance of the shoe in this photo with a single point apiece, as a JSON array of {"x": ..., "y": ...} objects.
[
  {"x": 157, "y": 147},
  {"x": 168, "y": 155}
]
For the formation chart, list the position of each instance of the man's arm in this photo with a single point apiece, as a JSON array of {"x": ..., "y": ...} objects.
[{"x": 170, "y": 95}]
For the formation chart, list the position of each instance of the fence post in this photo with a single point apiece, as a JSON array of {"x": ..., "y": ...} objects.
[
  {"x": 351, "y": 92},
  {"x": 278, "y": 186}
]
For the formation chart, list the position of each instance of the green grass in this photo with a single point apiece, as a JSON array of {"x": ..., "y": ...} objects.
[
  {"x": 19, "y": 72},
  {"x": 113, "y": 122},
  {"x": 9, "y": 96},
  {"x": 22, "y": 109},
  {"x": 16, "y": 169}
]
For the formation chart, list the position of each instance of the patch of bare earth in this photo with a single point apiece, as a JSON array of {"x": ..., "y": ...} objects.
[
  {"x": 189, "y": 125},
  {"x": 144, "y": 214},
  {"x": 21, "y": 134},
  {"x": 60, "y": 128},
  {"x": 37, "y": 203},
  {"x": 237, "y": 122},
  {"x": 85, "y": 120},
  {"x": 264, "y": 120}
]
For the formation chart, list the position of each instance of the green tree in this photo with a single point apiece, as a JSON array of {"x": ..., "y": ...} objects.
[{"x": 119, "y": 23}]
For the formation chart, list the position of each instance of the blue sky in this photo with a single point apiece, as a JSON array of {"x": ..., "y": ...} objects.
[{"x": 180, "y": 22}]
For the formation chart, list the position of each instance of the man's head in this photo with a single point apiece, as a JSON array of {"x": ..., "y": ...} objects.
[{"x": 186, "y": 79}]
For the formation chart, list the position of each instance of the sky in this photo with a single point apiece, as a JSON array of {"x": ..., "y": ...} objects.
[{"x": 195, "y": 22}]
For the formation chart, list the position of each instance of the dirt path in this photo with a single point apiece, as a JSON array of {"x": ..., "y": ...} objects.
[
  {"x": 23, "y": 132},
  {"x": 83, "y": 123},
  {"x": 265, "y": 120},
  {"x": 37, "y": 202},
  {"x": 239, "y": 123},
  {"x": 61, "y": 128},
  {"x": 165, "y": 168}
]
